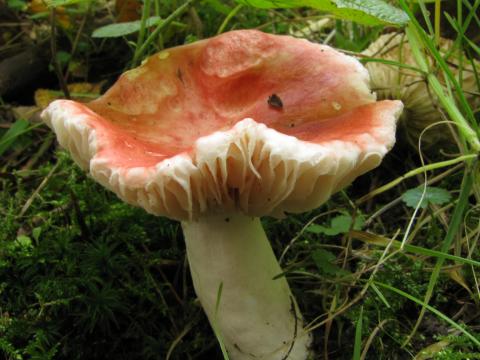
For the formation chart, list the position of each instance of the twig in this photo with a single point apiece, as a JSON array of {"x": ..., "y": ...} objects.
[
  {"x": 77, "y": 38},
  {"x": 196, "y": 21},
  {"x": 300, "y": 233},
  {"x": 371, "y": 337},
  {"x": 37, "y": 190},
  {"x": 43, "y": 148},
  {"x": 177, "y": 340},
  {"x": 53, "y": 49}
]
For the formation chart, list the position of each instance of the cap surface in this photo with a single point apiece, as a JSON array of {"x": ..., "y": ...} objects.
[{"x": 245, "y": 121}]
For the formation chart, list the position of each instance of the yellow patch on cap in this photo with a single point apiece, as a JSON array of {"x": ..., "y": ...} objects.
[{"x": 163, "y": 55}]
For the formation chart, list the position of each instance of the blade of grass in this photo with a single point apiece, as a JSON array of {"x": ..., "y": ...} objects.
[
  {"x": 17, "y": 128},
  {"x": 431, "y": 309},
  {"x": 230, "y": 15},
  {"x": 218, "y": 335},
  {"x": 357, "y": 347},
  {"x": 456, "y": 26},
  {"x": 141, "y": 33},
  {"x": 447, "y": 102},
  {"x": 426, "y": 16},
  {"x": 392, "y": 63},
  {"x": 383, "y": 241},
  {"x": 143, "y": 48},
  {"x": 7, "y": 139},
  {"x": 471, "y": 14},
  {"x": 438, "y": 12},
  {"x": 462, "y": 24},
  {"x": 379, "y": 294},
  {"x": 452, "y": 231}
]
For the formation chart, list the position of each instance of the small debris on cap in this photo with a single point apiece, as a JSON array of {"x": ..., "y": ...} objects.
[{"x": 275, "y": 101}]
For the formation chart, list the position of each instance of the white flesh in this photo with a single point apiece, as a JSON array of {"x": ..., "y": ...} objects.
[{"x": 257, "y": 316}]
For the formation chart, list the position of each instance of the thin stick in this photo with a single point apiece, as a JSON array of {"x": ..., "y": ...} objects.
[
  {"x": 43, "y": 148},
  {"x": 77, "y": 38},
  {"x": 53, "y": 49},
  {"x": 438, "y": 12},
  {"x": 37, "y": 191}
]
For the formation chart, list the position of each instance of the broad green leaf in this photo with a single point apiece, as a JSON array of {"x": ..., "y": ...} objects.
[
  {"x": 125, "y": 28},
  {"x": 339, "y": 225},
  {"x": 18, "y": 128},
  {"x": 367, "y": 12},
  {"x": 324, "y": 260},
  {"x": 433, "y": 195}
]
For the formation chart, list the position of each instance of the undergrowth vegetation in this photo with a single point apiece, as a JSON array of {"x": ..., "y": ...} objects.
[{"x": 387, "y": 269}]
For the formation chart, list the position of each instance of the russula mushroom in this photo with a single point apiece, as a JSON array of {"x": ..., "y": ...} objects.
[
  {"x": 220, "y": 132},
  {"x": 421, "y": 106}
]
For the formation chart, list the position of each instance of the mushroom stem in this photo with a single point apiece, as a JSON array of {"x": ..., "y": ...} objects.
[{"x": 257, "y": 316}]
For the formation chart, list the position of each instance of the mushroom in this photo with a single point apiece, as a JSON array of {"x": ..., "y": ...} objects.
[
  {"x": 220, "y": 132},
  {"x": 421, "y": 106}
]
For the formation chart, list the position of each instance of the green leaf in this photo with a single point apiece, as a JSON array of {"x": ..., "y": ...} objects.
[
  {"x": 339, "y": 225},
  {"x": 218, "y": 6},
  {"x": 433, "y": 195},
  {"x": 63, "y": 57},
  {"x": 24, "y": 241},
  {"x": 367, "y": 12},
  {"x": 36, "y": 232},
  {"x": 324, "y": 260},
  {"x": 18, "y": 128},
  {"x": 125, "y": 28},
  {"x": 19, "y": 5}
]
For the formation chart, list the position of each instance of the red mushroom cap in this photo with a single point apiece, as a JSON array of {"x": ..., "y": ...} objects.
[{"x": 247, "y": 121}]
